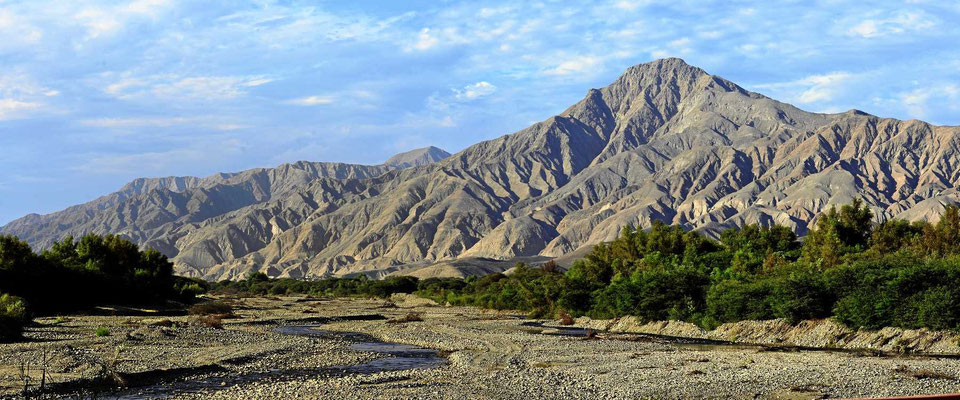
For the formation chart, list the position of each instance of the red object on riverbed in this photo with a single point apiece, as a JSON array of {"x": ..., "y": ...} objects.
[{"x": 955, "y": 396}]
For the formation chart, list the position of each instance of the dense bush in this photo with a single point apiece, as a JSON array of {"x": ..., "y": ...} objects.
[
  {"x": 258, "y": 283},
  {"x": 870, "y": 276},
  {"x": 94, "y": 270},
  {"x": 14, "y": 313}
]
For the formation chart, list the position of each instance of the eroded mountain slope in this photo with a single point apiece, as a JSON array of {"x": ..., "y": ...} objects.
[{"x": 665, "y": 141}]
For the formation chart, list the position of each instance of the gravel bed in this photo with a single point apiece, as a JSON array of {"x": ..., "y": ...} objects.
[{"x": 490, "y": 355}]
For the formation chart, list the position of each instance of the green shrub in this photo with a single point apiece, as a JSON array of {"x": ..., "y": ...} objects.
[
  {"x": 14, "y": 314},
  {"x": 14, "y": 307},
  {"x": 899, "y": 290},
  {"x": 101, "y": 332},
  {"x": 91, "y": 271},
  {"x": 800, "y": 294},
  {"x": 734, "y": 300}
]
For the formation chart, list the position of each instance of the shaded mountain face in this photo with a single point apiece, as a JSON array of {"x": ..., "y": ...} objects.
[{"x": 666, "y": 141}]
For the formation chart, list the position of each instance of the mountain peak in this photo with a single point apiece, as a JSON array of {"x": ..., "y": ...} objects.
[
  {"x": 417, "y": 157},
  {"x": 665, "y": 66}
]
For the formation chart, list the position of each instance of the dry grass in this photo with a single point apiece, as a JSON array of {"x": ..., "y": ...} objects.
[
  {"x": 388, "y": 304},
  {"x": 923, "y": 373},
  {"x": 211, "y": 308},
  {"x": 565, "y": 318},
  {"x": 410, "y": 317},
  {"x": 210, "y": 321}
]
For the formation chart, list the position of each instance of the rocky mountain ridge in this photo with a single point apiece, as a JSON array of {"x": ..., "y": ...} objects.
[{"x": 665, "y": 141}]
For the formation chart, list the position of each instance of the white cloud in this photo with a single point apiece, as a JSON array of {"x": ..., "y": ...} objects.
[
  {"x": 145, "y": 122},
  {"x": 15, "y": 109},
  {"x": 712, "y": 34},
  {"x": 146, "y": 7},
  {"x": 21, "y": 97},
  {"x": 172, "y": 86},
  {"x": 98, "y": 22},
  {"x": 812, "y": 89},
  {"x": 159, "y": 162},
  {"x": 476, "y": 90},
  {"x": 899, "y": 22},
  {"x": 258, "y": 82},
  {"x": 447, "y": 122},
  {"x": 577, "y": 65},
  {"x": 311, "y": 101},
  {"x": 917, "y": 101},
  {"x": 679, "y": 43},
  {"x": 107, "y": 21},
  {"x": 425, "y": 40},
  {"x": 630, "y": 5},
  {"x": 822, "y": 87},
  {"x": 17, "y": 32},
  {"x": 202, "y": 87},
  {"x": 866, "y": 28}
]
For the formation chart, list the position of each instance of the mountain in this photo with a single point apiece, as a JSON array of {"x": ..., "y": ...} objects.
[
  {"x": 417, "y": 157},
  {"x": 665, "y": 141}
]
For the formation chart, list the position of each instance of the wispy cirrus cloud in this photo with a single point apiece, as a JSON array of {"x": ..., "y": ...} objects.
[
  {"x": 820, "y": 89},
  {"x": 475, "y": 91},
  {"x": 898, "y": 22},
  {"x": 21, "y": 97},
  {"x": 173, "y": 86},
  {"x": 311, "y": 101},
  {"x": 129, "y": 123}
]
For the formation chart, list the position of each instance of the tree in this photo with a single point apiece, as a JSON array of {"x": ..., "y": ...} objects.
[
  {"x": 838, "y": 233},
  {"x": 895, "y": 234},
  {"x": 753, "y": 246},
  {"x": 944, "y": 237},
  {"x": 15, "y": 254}
]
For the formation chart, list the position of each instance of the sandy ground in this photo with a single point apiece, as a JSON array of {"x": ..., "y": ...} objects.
[{"x": 489, "y": 355}]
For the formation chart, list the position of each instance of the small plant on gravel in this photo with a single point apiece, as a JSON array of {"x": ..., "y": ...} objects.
[
  {"x": 388, "y": 304},
  {"x": 164, "y": 323},
  {"x": 109, "y": 367},
  {"x": 215, "y": 307},
  {"x": 210, "y": 321},
  {"x": 61, "y": 320},
  {"x": 565, "y": 318},
  {"x": 923, "y": 373},
  {"x": 410, "y": 317},
  {"x": 101, "y": 332}
]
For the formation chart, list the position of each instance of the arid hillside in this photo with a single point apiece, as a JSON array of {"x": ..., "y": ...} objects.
[{"x": 665, "y": 141}]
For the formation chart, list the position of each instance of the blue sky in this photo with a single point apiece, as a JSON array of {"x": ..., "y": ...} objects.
[{"x": 95, "y": 93}]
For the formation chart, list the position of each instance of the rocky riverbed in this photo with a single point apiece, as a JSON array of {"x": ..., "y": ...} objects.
[{"x": 487, "y": 355}]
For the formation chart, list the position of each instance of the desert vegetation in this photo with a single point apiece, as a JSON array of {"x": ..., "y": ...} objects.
[
  {"x": 865, "y": 275},
  {"x": 77, "y": 274},
  {"x": 896, "y": 273},
  {"x": 258, "y": 283}
]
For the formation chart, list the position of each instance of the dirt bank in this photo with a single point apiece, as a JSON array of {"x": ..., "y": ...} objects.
[{"x": 822, "y": 333}]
